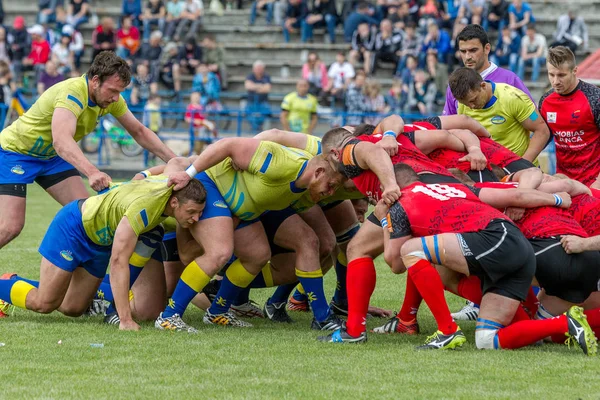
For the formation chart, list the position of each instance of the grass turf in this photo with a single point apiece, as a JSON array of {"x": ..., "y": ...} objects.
[{"x": 267, "y": 361}]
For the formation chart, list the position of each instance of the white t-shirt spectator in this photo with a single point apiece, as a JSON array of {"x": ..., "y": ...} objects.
[
  {"x": 530, "y": 46},
  {"x": 76, "y": 42},
  {"x": 466, "y": 4},
  {"x": 340, "y": 73},
  {"x": 61, "y": 53},
  {"x": 194, "y": 6}
]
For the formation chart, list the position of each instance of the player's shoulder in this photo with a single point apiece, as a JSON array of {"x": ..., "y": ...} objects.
[
  {"x": 548, "y": 95},
  {"x": 592, "y": 92}
]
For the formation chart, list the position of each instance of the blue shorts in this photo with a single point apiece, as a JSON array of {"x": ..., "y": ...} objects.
[
  {"x": 67, "y": 246},
  {"x": 215, "y": 203}
]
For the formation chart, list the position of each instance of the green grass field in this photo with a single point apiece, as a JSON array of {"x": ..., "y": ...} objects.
[{"x": 267, "y": 361}]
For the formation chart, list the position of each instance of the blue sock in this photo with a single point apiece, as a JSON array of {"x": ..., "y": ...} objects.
[
  {"x": 33, "y": 283},
  {"x": 341, "y": 267},
  {"x": 236, "y": 279},
  {"x": 312, "y": 282},
  {"x": 14, "y": 291},
  {"x": 298, "y": 295},
  {"x": 243, "y": 297},
  {"x": 105, "y": 291},
  {"x": 282, "y": 293},
  {"x": 192, "y": 281}
]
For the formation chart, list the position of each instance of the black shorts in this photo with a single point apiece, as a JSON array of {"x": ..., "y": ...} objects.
[
  {"x": 372, "y": 218},
  {"x": 329, "y": 206},
  {"x": 271, "y": 221},
  {"x": 570, "y": 277},
  {"x": 518, "y": 165},
  {"x": 437, "y": 178},
  {"x": 167, "y": 251},
  {"x": 482, "y": 176},
  {"x": 501, "y": 257}
]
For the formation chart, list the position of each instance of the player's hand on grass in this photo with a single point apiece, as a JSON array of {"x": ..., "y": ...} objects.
[
  {"x": 566, "y": 199},
  {"x": 128, "y": 326},
  {"x": 572, "y": 244},
  {"x": 389, "y": 144},
  {"x": 380, "y": 312},
  {"x": 391, "y": 194},
  {"x": 179, "y": 179},
  {"x": 514, "y": 213},
  {"x": 99, "y": 181},
  {"x": 476, "y": 158}
]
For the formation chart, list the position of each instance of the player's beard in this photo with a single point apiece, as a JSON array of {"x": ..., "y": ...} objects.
[{"x": 96, "y": 97}]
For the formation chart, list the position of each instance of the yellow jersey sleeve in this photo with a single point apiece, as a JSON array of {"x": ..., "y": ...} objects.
[
  {"x": 275, "y": 163},
  {"x": 520, "y": 105},
  {"x": 313, "y": 145},
  {"x": 286, "y": 104},
  {"x": 119, "y": 108},
  {"x": 71, "y": 97},
  {"x": 141, "y": 214}
]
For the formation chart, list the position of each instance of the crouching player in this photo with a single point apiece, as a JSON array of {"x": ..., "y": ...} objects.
[{"x": 86, "y": 235}]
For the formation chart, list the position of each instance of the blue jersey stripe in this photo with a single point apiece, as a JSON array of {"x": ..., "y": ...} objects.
[
  {"x": 75, "y": 100},
  {"x": 266, "y": 164}
]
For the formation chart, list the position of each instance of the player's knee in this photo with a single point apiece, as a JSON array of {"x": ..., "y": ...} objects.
[
  {"x": 12, "y": 228},
  {"x": 73, "y": 311},
  {"x": 354, "y": 250},
  {"x": 44, "y": 307},
  {"x": 326, "y": 244},
  {"x": 148, "y": 312},
  {"x": 486, "y": 339}
]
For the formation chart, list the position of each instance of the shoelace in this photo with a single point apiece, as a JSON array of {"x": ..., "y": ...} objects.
[
  {"x": 6, "y": 308},
  {"x": 431, "y": 338}
]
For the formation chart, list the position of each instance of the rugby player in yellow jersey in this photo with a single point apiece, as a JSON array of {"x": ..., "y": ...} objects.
[
  {"x": 86, "y": 235},
  {"x": 41, "y": 145},
  {"x": 244, "y": 178},
  {"x": 505, "y": 111},
  {"x": 299, "y": 110}
]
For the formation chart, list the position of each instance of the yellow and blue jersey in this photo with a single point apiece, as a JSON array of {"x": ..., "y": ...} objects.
[{"x": 301, "y": 109}]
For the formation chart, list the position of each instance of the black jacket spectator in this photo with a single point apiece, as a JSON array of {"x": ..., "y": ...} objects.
[
  {"x": 366, "y": 42},
  {"x": 298, "y": 11}
]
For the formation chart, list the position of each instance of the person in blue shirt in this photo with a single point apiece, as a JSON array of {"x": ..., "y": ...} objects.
[
  {"x": 520, "y": 15},
  {"x": 207, "y": 84},
  {"x": 507, "y": 49},
  {"x": 360, "y": 16},
  {"x": 133, "y": 8},
  {"x": 438, "y": 42}
]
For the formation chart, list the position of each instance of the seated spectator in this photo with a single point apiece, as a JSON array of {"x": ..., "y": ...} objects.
[
  {"x": 5, "y": 49},
  {"x": 571, "y": 31},
  {"x": 143, "y": 85},
  {"x": 47, "y": 13},
  {"x": 20, "y": 43},
  {"x": 154, "y": 13},
  {"x": 520, "y": 15},
  {"x": 195, "y": 116},
  {"x": 402, "y": 17},
  {"x": 396, "y": 98},
  {"x": 104, "y": 37},
  {"x": 170, "y": 75},
  {"x": 362, "y": 15},
  {"x": 132, "y": 9},
  {"x": 507, "y": 50},
  {"x": 299, "y": 110},
  {"x": 214, "y": 57},
  {"x": 322, "y": 14},
  {"x": 340, "y": 73},
  {"x": 78, "y": 12},
  {"x": 63, "y": 56},
  {"x": 207, "y": 84},
  {"x": 296, "y": 12},
  {"x": 388, "y": 43},
  {"x": 150, "y": 53},
  {"x": 375, "y": 101},
  {"x": 469, "y": 12},
  {"x": 174, "y": 10},
  {"x": 128, "y": 39},
  {"x": 437, "y": 42},
  {"x": 432, "y": 10},
  {"x": 408, "y": 73},
  {"x": 439, "y": 75},
  {"x": 497, "y": 15},
  {"x": 191, "y": 18},
  {"x": 258, "y": 85},
  {"x": 76, "y": 45},
  {"x": 412, "y": 42},
  {"x": 190, "y": 55},
  {"x": 314, "y": 72},
  {"x": 40, "y": 51},
  {"x": 421, "y": 94},
  {"x": 355, "y": 100},
  {"x": 363, "y": 45},
  {"x": 534, "y": 51},
  {"x": 152, "y": 116},
  {"x": 60, "y": 18},
  {"x": 49, "y": 77},
  {"x": 268, "y": 5},
  {"x": 6, "y": 92}
]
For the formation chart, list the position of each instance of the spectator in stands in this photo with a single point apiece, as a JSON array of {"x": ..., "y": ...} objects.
[
  {"x": 314, "y": 72},
  {"x": 76, "y": 45},
  {"x": 408, "y": 74},
  {"x": 152, "y": 116},
  {"x": 469, "y": 12},
  {"x": 395, "y": 97},
  {"x": 295, "y": 14},
  {"x": 207, "y": 84},
  {"x": 20, "y": 44},
  {"x": 497, "y": 16},
  {"x": 534, "y": 51},
  {"x": 49, "y": 77},
  {"x": 269, "y": 5},
  {"x": 40, "y": 51},
  {"x": 195, "y": 115},
  {"x": 5, "y": 49},
  {"x": 104, "y": 37},
  {"x": 62, "y": 55},
  {"x": 412, "y": 42},
  {"x": 432, "y": 10},
  {"x": 356, "y": 103},
  {"x": 571, "y": 31},
  {"x": 363, "y": 45},
  {"x": 388, "y": 44},
  {"x": 1, "y": 13},
  {"x": 5, "y": 84},
  {"x": 439, "y": 75},
  {"x": 190, "y": 56},
  {"x": 214, "y": 57},
  {"x": 299, "y": 110},
  {"x": 507, "y": 50},
  {"x": 520, "y": 15},
  {"x": 150, "y": 53},
  {"x": 421, "y": 94},
  {"x": 437, "y": 42},
  {"x": 143, "y": 85},
  {"x": 375, "y": 101},
  {"x": 154, "y": 13},
  {"x": 402, "y": 17},
  {"x": 191, "y": 18},
  {"x": 61, "y": 18},
  {"x": 322, "y": 14},
  {"x": 258, "y": 85},
  {"x": 47, "y": 13},
  {"x": 340, "y": 74},
  {"x": 133, "y": 9},
  {"x": 174, "y": 10},
  {"x": 128, "y": 38},
  {"x": 78, "y": 12},
  {"x": 360, "y": 16},
  {"x": 170, "y": 74}
]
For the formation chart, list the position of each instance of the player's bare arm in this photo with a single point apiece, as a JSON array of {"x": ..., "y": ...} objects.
[
  {"x": 145, "y": 137},
  {"x": 523, "y": 198},
  {"x": 540, "y": 137},
  {"x": 392, "y": 124},
  {"x": 373, "y": 157},
  {"x": 461, "y": 121},
  {"x": 284, "y": 138},
  {"x": 530, "y": 178},
  {"x": 575, "y": 244}
]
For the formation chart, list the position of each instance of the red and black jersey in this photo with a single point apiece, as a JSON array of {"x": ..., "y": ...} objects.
[
  {"x": 595, "y": 193},
  {"x": 496, "y": 185},
  {"x": 449, "y": 159},
  {"x": 432, "y": 209},
  {"x": 586, "y": 210},
  {"x": 574, "y": 121},
  {"x": 496, "y": 153}
]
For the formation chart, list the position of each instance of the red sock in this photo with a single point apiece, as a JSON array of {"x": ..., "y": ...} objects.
[
  {"x": 469, "y": 287},
  {"x": 531, "y": 303},
  {"x": 411, "y": 303},
  {"x": 430, "y": 285},
  {"x": 593, "y": 317},
  {"x": 524, "y": 333},
  {"x": 360, "y": 283},
  {"x": 520, "y": 315}
]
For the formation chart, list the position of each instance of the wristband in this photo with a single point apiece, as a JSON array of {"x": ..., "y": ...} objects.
[
  {"x": 146, "y": 173},
  {"x": 384, "y": 222},
  {"x": 191, "y": 171},
  {"x": 557, "y": 200},
  {"x": 389, "y": 133}
]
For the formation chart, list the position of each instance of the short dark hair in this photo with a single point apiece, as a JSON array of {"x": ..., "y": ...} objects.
[
  {"x": 193, "y": 191},
  {"x": 462, "y": 81},
  {"x": 473, "y": 31},
  {"x": 405, "y": 175},
  {"x": 411, "y": 24},
  {"x": 363, "y": 5},
  {"x": 107, "y": 64},
  {"x": 334, "y": 138},
  {"x": 364, "y": 129},
  {"x": 560, "y": 55}
]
